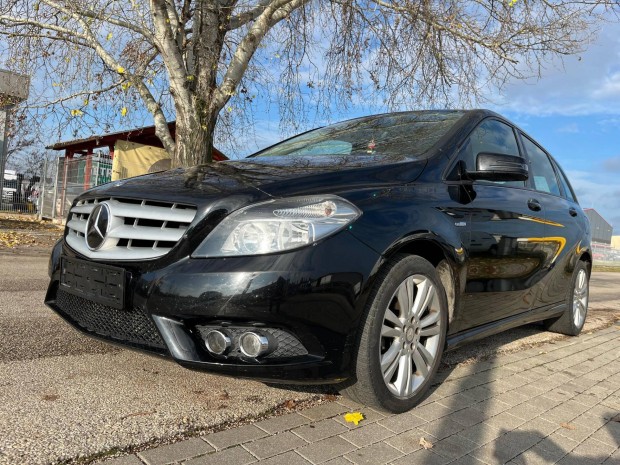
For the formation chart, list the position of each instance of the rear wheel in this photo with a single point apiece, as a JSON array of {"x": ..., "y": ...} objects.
[
  {"x": 572, "y": 320},
  {"x": 403, "y": 336}
]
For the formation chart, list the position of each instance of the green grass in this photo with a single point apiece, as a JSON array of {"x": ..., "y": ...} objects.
[{"x": 614, "y": 268}]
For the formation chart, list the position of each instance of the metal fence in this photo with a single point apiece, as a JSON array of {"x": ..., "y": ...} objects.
[
  {"x": 20, "y": 193},
  {"x": 47, "y": 197},
  {"x": 67, "y": 179}
]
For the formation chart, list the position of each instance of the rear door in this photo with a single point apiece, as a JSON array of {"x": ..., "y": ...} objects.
[{"x": 565, "y": 222}]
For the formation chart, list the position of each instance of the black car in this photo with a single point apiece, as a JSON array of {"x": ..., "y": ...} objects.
[{"x": 352, "y": 254}]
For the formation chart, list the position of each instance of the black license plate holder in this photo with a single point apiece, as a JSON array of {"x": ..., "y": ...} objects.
[{"x": 103, "y": 284}]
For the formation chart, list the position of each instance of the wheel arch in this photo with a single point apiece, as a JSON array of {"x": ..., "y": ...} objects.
[
  {"x": 586, "y": 257},
  {"x": 441, "y": 255}
]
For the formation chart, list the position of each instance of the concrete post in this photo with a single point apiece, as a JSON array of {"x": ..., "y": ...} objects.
[{"x": 14, "y": 88}]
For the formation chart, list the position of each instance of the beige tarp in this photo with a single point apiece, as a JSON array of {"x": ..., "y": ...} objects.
[{"x": 131, "y": 159}]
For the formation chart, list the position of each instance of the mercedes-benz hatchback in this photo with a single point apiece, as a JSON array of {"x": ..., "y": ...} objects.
[{"x": 352, "y": 254}]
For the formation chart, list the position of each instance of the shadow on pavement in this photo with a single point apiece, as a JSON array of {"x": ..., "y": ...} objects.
[{"x": 496, "y": 423}]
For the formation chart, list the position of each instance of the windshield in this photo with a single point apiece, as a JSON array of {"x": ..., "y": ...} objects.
[{"x": 403, "y": 134}]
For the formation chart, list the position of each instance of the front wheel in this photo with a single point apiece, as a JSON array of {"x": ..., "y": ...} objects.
[
  {"x": 572, "y": 320},
  {"x": 403, "y": 336}
]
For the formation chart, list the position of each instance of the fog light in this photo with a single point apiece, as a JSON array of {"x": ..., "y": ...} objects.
[
  {"x": 254, "y": 344},
  {"x": 217, "y": 342}
]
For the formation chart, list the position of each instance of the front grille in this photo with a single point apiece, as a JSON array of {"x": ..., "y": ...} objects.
[
  {"x": 288, "y": 345},
  {"x": 138, "y": 229},
  {"x": 130, "y": 327}
]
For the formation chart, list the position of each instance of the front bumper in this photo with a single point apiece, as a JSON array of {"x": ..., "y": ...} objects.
[{"x": 313, "y": 294}]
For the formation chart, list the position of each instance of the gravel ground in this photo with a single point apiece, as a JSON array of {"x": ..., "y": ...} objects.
[
  {"x": 64, "y": 396},
  {"x": 62, "y": 407}
]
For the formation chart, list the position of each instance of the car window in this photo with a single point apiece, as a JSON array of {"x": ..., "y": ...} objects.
[
  {"x": 398, "y": 135},
  {"x": 568, "y": 191},
  {"x": 326, "y": 147},
  {"x": 491, "y": 136},
  {"x": 542, "y": 173}
]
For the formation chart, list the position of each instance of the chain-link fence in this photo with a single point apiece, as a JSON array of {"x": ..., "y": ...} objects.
[
  {"x": 68, "y": 178},
  {"x": 20, "y": 193},
  {"x": 604, "y": 253}
]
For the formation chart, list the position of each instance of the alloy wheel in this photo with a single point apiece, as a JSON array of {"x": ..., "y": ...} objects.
[
  {"x": 580, "y": 298},
  {"x": 410, "y": 336}
]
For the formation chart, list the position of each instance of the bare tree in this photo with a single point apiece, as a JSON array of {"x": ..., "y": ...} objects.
[
  {"x": 31, "y": 162},
  {"x": 203, "y": 61},
  {"x": 22, "y": 135}
]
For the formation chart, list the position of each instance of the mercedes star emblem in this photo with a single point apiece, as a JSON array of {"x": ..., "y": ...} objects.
[{"x": 97, "y": 226}]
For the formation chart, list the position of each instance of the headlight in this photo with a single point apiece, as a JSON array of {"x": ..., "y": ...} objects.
[{"x": 278, "y": 225}]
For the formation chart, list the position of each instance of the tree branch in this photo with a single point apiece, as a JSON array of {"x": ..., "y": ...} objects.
[
  {"x": 152, "y": 106},
  {"x": 31, "y": 35},
  {"x": 495, "y": 47},
  {"x": 272, "y": 14},
  {"x": 82, "y": 93},
  {"x": 117, "y": 22},
  {"x": 9, "y": 21},
  {"x": 245, "y": 17},
  {"x": 165, "y": 38}
]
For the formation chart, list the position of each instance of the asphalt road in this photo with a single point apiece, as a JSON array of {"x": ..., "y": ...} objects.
[{"x": 63, "y": 395}]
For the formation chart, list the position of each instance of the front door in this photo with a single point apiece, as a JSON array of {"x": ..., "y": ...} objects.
[{"x": 506, "y": 258}]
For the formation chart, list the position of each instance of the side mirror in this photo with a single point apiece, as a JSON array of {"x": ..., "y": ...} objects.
[{"x": 498, "y": 167}]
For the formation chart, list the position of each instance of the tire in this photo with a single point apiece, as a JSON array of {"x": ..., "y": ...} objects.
[
  {"x": 572, "y": 320},
  {"x": 399, "y": 351}
]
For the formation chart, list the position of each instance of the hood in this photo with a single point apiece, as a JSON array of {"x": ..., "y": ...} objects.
[{"x": 266, "y": 177}]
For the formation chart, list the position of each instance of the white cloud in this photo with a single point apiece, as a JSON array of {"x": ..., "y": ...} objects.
[
  {"x": 612, "y": 164},
  {"x": 580, "y": 85},
  {"x": 613, "y": 123},
  {"x": 609, "y": 89},
  {"x": 572, "y": 128},
  {"x": 598, "y": 190}
]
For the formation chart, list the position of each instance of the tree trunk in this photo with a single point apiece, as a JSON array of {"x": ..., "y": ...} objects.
[
  {"x": 194, "y": 137},
  {"x": 193, "y": 78}
]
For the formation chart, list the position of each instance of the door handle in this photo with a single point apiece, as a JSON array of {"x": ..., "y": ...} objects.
[
  {"x": 534, "y": 205},
  {"x": 572, "y": 211}
]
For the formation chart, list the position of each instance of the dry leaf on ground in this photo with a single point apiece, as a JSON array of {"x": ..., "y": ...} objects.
[
  {"x": 11, "y": 239},
  {"x": 290, "y": 404},
  {"x": 354, "y": 417},
  {"x": 426, "y": 444}
]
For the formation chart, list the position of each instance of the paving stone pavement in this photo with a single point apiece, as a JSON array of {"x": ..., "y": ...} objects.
[{"x": 556, "y": 403}]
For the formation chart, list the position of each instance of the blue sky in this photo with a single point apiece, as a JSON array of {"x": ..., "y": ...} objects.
[{"x": 573, "y": 110}]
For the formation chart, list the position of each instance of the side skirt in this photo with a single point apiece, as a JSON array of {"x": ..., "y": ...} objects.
[{"x": 482, "y": 331}]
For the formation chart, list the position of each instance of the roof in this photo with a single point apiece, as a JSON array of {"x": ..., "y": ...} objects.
[
  {"x": 593, "y": 211},
  {"x": 144, "y": 136}
]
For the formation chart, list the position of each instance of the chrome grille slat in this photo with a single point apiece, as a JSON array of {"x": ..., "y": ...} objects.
[
  {"x": 86, "y": 208},
  {"x": 128, "y": 239},
  {"x": 146, "y": 233},
  {"x": 77, "y": 224},
  {"x": 140, "y": 253},
  {"x": 149, "y": 212}
]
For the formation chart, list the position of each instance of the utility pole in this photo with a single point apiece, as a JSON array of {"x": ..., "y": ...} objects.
[{"x": 14, "y": 88}]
